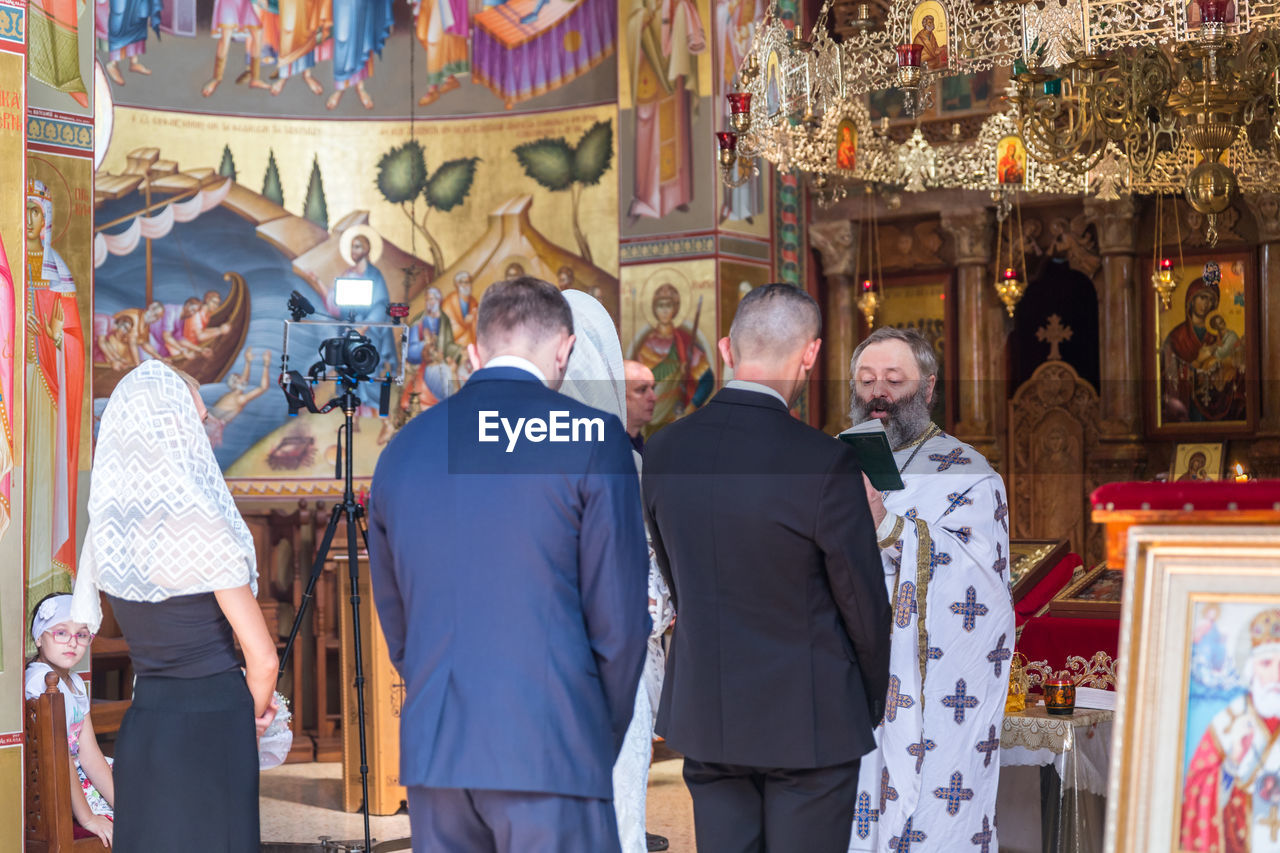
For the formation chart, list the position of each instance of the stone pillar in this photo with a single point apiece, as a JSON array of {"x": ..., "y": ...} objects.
[
  {"x": 1121, "y": 454},
  {"x": 981, "y": 333},
  {"x": 835, "y": 243},
  {"x": 1264, "y": 454}
]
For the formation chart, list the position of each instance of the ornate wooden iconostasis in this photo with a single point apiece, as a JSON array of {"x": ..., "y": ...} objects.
[{"x": 1091, "y": 380}]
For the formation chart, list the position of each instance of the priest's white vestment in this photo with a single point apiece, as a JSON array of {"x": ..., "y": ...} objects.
[{"x": 931, "y": 786}]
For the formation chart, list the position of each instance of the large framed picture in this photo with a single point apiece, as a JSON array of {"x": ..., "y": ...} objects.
[
  {"x": 1200, "y": 676},
  {"x": 1095, "y": 594},
  {"x": 923, "y": 302},
  {"x": 1202, "y": 366}
]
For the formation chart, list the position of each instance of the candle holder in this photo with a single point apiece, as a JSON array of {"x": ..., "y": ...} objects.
[
  {"x": 728, "y": 142},
  {"x": 1009, "y": 288},
  {"x": 739, "y": 110},
  {"x": 1060, "y": 697},
  {"x": 1163, "y": 282},
  {"x": 868, "y": 302},
  {"x": 1213, "y": 21},
  {"x": 909, "y": 71}
]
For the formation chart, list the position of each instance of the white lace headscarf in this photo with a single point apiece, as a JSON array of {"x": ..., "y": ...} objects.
[
  {"x": 594, "y": 374},
  {"x": 161, "y": 520}
]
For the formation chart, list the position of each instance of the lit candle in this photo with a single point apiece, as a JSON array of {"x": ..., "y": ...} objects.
[
  {"x": 1010, "y": 274},
  {"x": 867, "y": 285},
  {"x": 1240, "y": 475}
]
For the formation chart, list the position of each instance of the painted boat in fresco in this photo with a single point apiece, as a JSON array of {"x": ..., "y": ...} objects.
[{"x": 211, "y": 365}]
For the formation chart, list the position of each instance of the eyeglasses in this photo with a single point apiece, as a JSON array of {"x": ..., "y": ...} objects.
[{"x": 64, "y": 636}]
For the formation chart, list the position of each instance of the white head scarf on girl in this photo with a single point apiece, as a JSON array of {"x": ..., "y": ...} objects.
[
  {"x": 594, "y": 374},
  {"x": 161, "y": 521}
]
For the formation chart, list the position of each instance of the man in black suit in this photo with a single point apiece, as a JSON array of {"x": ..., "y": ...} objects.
[{"x": 780, "y": 661}]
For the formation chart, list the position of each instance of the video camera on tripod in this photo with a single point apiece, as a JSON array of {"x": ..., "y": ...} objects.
[
  {"x": 350, "y": 357},
  {"x": 347, "y": 358}
]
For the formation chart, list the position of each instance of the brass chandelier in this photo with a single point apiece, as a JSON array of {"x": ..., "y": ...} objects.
[{"x": 1108, "y": 96}]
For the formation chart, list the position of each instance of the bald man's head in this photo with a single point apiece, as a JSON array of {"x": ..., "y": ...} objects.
[
  {"x": 772, "y": 324},
  {"x": 641, "y": 396}
]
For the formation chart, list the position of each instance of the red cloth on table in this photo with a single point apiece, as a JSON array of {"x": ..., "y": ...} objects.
[
  {"x": 1050, "y": 585},
  {"x": 1205, "y": 495},
  {"x": 1055, "y": 638}
]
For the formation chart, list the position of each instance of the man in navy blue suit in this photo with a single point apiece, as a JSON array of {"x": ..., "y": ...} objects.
[{"x": 520, "y": 635}]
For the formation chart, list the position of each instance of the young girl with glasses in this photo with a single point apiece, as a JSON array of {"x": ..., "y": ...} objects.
[{"x": 60, "y": 645}]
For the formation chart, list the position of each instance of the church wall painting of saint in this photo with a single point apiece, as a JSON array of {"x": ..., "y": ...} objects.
[
  {"x": 669, "y": 322},
  {"x": 360, "y": 58},
  {"x": 12, "y": 593},
  {"x": 438, "y": 228}
]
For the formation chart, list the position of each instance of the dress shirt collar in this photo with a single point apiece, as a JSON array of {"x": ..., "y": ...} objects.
[
  {"x": 744, "y": 385},
  {"x": 516, "y": 362}
]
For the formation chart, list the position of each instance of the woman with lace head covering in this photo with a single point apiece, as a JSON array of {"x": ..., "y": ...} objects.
[
  {"x": 595, "y": 375},
  {"x": 170, "y": 553}
]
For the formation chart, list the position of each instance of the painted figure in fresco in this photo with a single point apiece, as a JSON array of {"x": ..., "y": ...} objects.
[
  {"x": 360, "y": 29},
  {"x": 1197, "y": 385},
  {"x": 53, "y": 46},
  {"x": 934, "y": 54},
  {"x": 1232, "y": 788},
  {"x": 513, "y": 271},
  {"x": 1009, "y": 168},
  {"x": 663, "y": 36},
  {"x": 361, "y": 247},
  {"x": 299, "y": 33},
  {"x": 8, "y": 307},
  {"x": 196, "y": 328},
  {"x": 681, "y": 370},
  {"x": 847, "y": 150},
  {"x": 232, "y": 17},
  {"x": 443, "y": 28},
  {"x": 735, "y": 24},
  {"x": 461, "y": 307},
  {"x": 239, "y": 395},
  {"x": 433, "y": 355},
  {"x": 121, "y": 28},
  {"x": 55, "y": 397},
  {"x": 113, "y": 341}
]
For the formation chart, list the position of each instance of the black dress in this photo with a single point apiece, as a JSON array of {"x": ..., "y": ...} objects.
[{"x": 186, "y": 762}]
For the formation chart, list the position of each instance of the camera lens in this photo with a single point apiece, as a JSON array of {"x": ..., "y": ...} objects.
[{"x": 361, "y": 356}]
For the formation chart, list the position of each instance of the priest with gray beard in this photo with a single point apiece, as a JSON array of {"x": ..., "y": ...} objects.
[{"x": 944, "y": 544}]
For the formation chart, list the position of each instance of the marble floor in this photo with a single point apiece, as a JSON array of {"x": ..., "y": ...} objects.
[{"x": 300, "y": 803}]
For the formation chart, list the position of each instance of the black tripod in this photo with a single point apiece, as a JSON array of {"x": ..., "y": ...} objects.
[{"x": 354, "y": 514}]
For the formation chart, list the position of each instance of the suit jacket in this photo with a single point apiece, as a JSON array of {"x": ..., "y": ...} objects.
[
  {"x": 512, "y": 588},
  {"x": 760, "y": 524}
]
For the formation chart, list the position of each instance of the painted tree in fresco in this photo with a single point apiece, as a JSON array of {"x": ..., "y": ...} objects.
[
  {"x": 271, "y": 189},
  {"x": 402, "y": 179},
  {"x": 227, "y": 168},
  {"x": 315, "y": 208},
  {"x": 557, "y": 165}
]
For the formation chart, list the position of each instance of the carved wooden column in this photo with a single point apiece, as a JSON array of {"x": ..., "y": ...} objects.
[
  {"x": 980, "y": 332},
  {"x": 835, "y": 243},
  {"x": 1265, "y": 453},
  {"x": 1121, "y": 455}
]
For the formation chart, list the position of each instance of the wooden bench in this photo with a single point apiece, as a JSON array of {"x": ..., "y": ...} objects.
[{"x": 48, "y": 768}]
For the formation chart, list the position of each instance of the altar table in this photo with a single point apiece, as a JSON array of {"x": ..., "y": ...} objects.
[{"x": 1054, "y": 768}]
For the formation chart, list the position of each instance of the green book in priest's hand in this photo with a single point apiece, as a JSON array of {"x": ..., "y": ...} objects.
[{"x": 875, "y": 456}]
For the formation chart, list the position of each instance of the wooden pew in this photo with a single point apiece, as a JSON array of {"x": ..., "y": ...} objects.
[{"x": 48, "y": 769}]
